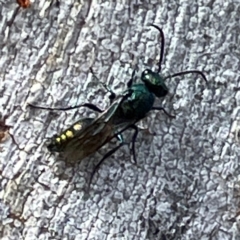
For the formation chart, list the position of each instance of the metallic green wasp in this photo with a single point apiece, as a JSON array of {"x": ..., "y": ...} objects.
[
  {"x": 89, "y": 134},
  {"x": 141, "y": 96}
]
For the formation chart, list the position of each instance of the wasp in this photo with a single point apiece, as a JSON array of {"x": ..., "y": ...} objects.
[
  {"x": 141, "y": 96},
  {"x": 89, "y": 134}
]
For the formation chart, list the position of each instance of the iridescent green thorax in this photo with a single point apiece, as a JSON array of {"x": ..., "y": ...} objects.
[
  {"x": 155, "y": 83},
  {"x": 138, "y": 104}
]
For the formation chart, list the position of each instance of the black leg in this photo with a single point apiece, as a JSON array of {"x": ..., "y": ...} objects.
[
  {"x": 112, "y": 94},
  {"x": 134, "y": 137},
  {"x": 130, "y": 82},
  {"x": 162, "y": 109},
  {"x": 88, "y": 105},
  {"x": 102, "y": 160}
]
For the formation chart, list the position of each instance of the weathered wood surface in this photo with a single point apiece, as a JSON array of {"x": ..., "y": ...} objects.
[{"x": 186, "y": 182}]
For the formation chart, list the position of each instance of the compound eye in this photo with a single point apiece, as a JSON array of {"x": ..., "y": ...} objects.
[{"x": 146, "y": 75}]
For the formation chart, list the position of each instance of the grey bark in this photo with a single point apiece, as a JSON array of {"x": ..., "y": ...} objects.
[{"x": 186, "y": 182}]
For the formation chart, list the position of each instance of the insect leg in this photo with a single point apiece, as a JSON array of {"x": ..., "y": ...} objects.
[
  {"x": 88, "y": 105},
  {"x": 112, "y": 94},
  {"x": 130, "y": 82},
  {"x": 134, "y": 137},
  {"x": 162, "y": 109},
  {"x": 102, "y": 160}
]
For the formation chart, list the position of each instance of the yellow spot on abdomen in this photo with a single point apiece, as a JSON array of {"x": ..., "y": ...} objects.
[
  {"x": 77, "y": 127},
  {"x": 63, "y": 137},
  {"x": 69, "y": 134}
]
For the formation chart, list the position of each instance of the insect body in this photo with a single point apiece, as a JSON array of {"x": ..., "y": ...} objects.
[
  {"x": 88, "y": 135},
  {"x": 141, "y": 97},
  {"x": 85, "y": 136},
  {"x": 138, "y": 103}
]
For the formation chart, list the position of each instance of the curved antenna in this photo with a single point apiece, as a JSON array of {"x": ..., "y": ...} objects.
[
  {"x": 162, "y": 46},
  {"x": 187, "y": 72}
]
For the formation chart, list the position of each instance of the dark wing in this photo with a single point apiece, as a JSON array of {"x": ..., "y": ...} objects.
[{"x": 92, "y": 136}]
